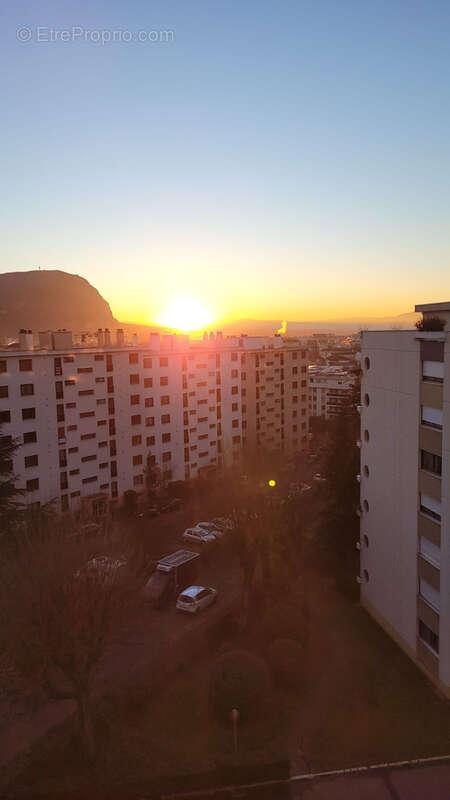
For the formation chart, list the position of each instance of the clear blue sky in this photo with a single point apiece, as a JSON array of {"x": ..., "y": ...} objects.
[{"x": 278, "y": 159}]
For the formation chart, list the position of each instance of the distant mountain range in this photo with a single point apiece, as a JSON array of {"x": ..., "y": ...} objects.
[{"x": 51, "y": 299}]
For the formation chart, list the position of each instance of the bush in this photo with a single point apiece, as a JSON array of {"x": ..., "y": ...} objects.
[
  {"x": 430, "y": 324},
  {"x": 239, "y": 680},
  {"x": 286, "y": 658}
]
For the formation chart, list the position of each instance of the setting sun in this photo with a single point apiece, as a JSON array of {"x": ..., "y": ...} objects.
[{"x": 186, "y": 314}]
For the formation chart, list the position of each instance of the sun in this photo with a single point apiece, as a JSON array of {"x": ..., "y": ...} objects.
[{"x": 186, "y": 314}]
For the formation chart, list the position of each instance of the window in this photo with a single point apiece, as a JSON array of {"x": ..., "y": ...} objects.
[
  {"x": 432, "y": 417},
  {"x": 134, "y": 379},
  {"x": 165, "y": 419},
  {"x": 62, "y": 458},
  {"x": 73, "y": 449},
  {"x": 430, "y": 552},
  {"x": 101, "y": 422},
  {"x": 148, "y": 383},
  {"x": 429, "y": 593},
  {"x": 85, "y": 392},
  {"x": 147, "y": 363},
  {"x": 235, "y": 423},
  {"x": 234, "y": 390},
  {"x": 428, "y": 636},
  {"x": 133, "y": 358},
  {"x": 86, "y": 414},
  {"x": 59, "y": 390},
  {"x": 138, "y": 480},
  {"x": 164, "y": 362},
  {"x": 431, "y": 462},
  {"x": 82, "y": 370},
  {"x": 149, "y": 421},
  {"x": 26, "y": 389},
  {"x": 110, "y": 384},
  {"x": 236, "y": 440},
  {"x": 149, "y": 402},
  {"x": 3, "y": 365},
  {"x": 165, "y": 400},
  {"x": 135, "y": 399},
  {"x": 101, "y": 401},
  {"x": 430, "y": 507},
  {"x": 30, "y": 437},
  {"x": 85, "y": 436},
  {"x": 88, "y": 458},
  {"x": 234, "y": 373},
  {"x": 74, "y": 472},
  {"x": 69, "y": 359},
  {"x": 136, "y": 419},
  {"x": 97, "y": 380},
  {"x": 164, "y": 381},
  {"x": 165, "y": 437},
  {"x": 90, "y": 480},
  {"x": 99, "y": 357},
  {"x": 433, "y": 371},
  {"x": 150, "y": 441},
  {"x": 135, "y": 440},
  {"x": 28, "y": 413},
  {"x": 167, "y": 456},
  {"x": 3, "y": 391},
  {"x": 31, "y": 461},
  {"x": 25, "y": 365},
  {"x": 33, "y": 485},
  {"x": 5, "y": 416},
  {"x": 137, "y": 460},
  {"x": 234, "y": 356},
  {"x": 70, "y": 382}
]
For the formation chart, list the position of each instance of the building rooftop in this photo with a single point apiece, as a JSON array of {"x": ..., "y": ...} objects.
[{"x": 427, "y": 307}]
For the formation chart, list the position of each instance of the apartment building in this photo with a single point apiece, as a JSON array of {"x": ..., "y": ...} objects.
[
  {"x": 405, "y": 489},
  {"x": 92, "y": 420},
  {"x": 329, "y": 387}
]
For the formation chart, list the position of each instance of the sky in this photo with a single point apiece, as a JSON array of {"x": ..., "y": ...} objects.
[{"x": 285, "y": 159}]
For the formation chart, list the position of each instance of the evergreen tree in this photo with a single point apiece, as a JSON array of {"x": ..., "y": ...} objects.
[{"x": 9, "y": 495}]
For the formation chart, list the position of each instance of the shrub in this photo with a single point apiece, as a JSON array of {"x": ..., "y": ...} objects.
[
  {"x": 239, "y": 680},
  {"x": 286, "y": 657},
  {"x": 430, "y": 324}
]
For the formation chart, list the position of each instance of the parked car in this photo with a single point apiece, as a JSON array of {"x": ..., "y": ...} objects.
[
  {"x": 222, "y": 523},
  {"x": 318, "y": 477},
  {"x": 198, "y": 535},
  {"x": 195, "y": 598},
  {"x": 210, "y": 527}
]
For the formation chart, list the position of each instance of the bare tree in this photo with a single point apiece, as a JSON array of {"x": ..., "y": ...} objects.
[{"x": 58, "y": 610}]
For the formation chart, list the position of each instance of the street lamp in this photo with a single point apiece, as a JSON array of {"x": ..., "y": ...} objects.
[{"x": 235, "y": 719}]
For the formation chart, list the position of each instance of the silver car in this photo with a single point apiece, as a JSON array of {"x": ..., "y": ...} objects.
[
  {"x": 198, "y": 535},
  {"x": 210, "y": 527},
  {"x": 195, "y": 598}
]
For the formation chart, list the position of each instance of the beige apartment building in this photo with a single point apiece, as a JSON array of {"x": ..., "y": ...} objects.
[
  {"x": 405, "y": 489},
  {"x": 92, "y": 419}
]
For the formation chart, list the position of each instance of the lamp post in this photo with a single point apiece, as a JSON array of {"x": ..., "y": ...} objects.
[{"x": 235, "y": 719}]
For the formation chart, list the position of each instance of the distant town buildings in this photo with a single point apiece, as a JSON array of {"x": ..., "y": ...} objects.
[
  {"x": 94, "y": 417},
  {"x": 329, "y": 388},
  {"x": 405, "y": 488}
]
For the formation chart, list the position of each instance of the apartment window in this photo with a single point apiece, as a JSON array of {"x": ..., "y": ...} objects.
[
  {"x": 112, "y": 427},
  {"x": 69, "y": 428},
  {"x": 3, "y": 365},
  {"x": 431, "y": 462},
  {"x": 69, "y": 359},
  {"x": 112, "y": 448},
  {"x": 135, "y": 440},
  {"x": 430, "y": 551},
  {"x": 101, "y": 401},
  {"x": 73, "y": 449},
  {"x": 164, "y": 381},
  {"x": 88, "y": 458},
  {"x": 86, "y": 414},
  {"x": 165, "y": 437},
  {"x": 26, "y": 364},
  {"x": 5, "y": 416},
  {"x": 33, "y": 485},
  {"x": 137, "y": 460},
  {"x": 90, "y": 480},
  {"x": 167, "y": 457},
  {"x": 134, "y": 379},
  {"x": 164, "y": 362},
  {"x": 99, "y": 358},
  {"x": 432, "y": 417},
  {"x": 234, "y": 390},
  {"x": 74, "y": 472},
  {"x": 110, "y": 384},
  {"x": 136, "y": 419},
  {"x": 68, "y": 382},
  {"x": 433, "y": 371},
  {"x": 165, "y": 419},
  {"x": 3, "y": 391},
  {"x": 62, "y": 458},
  {"x": 82, "y": 370},
  {"x": 135, "y": 399},
  {"x": 97, "y": 380},
  {"x": 63, "y": 482},
  {"x": 149, "y": 421},
  {"x": 133, "y": 358},
  {"x": 235, "y": 423},
  {"x": 430, "y": 594},
  {"x": 148, "y": 383},
  {"x": 85, "y": 436},
  {"x": 114, "y": 491},
  {"x": 430, "y": 507},
  {"x": 186, "y": 453},
  {"x": 30, "y": 437},
  {"x": 138, "y": 480},
  {"x": 30, "y": 413},
  {"x": 31, "y": 461},
  {"x": 100, "y": 444},
  {"x": 150, "y": 441},
  {"x": 234, "y": 373},
  {"x": 165, "y": 400},
  {"x": 113, "y": 469},
  {"x": 429, "y": 637},
  {"x": 85, "y": 392},
  {"x": 147, "y": 363},
  {"x": 109, "y": 362},
  {"x": 236, "y": 440},
  {"x": 27, "y": 389},
  {"x": 149, "y": 402},
  {"x": 234, "y": 356}
]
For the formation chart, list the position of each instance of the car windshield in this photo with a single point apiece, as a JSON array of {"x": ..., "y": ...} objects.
[{"x": 186, "y": 598}]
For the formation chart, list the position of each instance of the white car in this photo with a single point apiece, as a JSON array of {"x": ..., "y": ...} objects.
[
  {"x": 195, "y": 598},
  {"x": 198, "y": 535},
  {"x": 210, "y": 527}
]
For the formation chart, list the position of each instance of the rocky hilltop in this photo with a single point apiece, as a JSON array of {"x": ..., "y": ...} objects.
[{"x": 51, "y": 299}]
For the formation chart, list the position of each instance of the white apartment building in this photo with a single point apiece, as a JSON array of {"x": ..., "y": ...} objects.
[
  {"x": 328, "y": 388},
  {"x": 405, "y": 489},
  {"x": 90, "y": 420}
]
